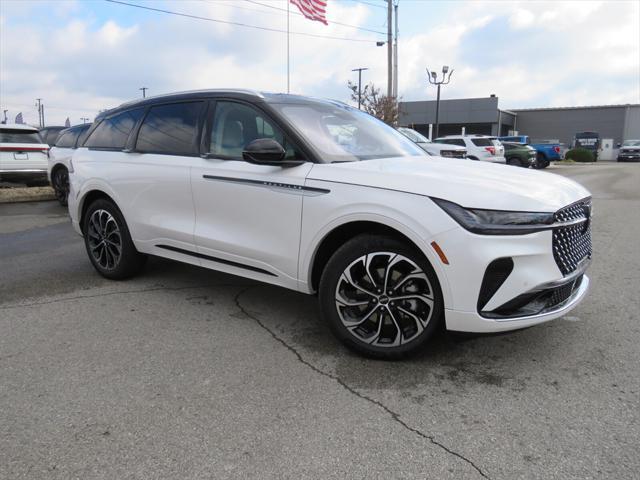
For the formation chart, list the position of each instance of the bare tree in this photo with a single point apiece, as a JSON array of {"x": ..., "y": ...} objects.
[{"x": 380, "y": 106}]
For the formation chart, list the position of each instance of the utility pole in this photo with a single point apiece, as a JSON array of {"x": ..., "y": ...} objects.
[
  {"x": 395, "y": 54},
  {"x": 359, "y": 70},
  {"x": 433, "y": 80},
  {"x": 39, "y": 105},
  {"x": 84, "y": 119},
  {"x": 389, "y": 48},
  {"x": 144, "y": 91}
]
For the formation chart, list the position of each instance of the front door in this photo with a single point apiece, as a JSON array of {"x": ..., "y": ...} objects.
[{"x": 248, "y": 216}]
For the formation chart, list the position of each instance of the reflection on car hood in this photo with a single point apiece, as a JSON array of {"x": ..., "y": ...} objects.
[{"x": 466, "y": 182}]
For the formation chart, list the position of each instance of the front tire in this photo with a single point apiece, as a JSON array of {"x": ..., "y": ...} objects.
[
  {"x": 60, "y": 184},
  {"x": 108, "y": 242},
  {"x": 381, "y": 297}
]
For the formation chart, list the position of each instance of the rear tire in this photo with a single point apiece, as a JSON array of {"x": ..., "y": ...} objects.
[
  {"x": 108, "y": 242},
  {"x": 514, "y": 161},
  {"x": 381, "y": 297},
  {"x": 60, "y": 184},
  {"x": 541, "y": 161}
]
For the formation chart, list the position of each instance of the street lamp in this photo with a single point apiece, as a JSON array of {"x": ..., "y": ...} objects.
[
  {"x": 359, "y": 70},
  {"x": 433, "y": 80}
]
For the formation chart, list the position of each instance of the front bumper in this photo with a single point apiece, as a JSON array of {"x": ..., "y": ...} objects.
[
  {"x": 472, "y": 322},
  {"x": 532, "y": 277},
  {"x": 629, "y": 157}
]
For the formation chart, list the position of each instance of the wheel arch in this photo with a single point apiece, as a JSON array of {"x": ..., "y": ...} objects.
[
  {"x": 340, "y": 234},
  {"x": 87, "y": 199}
]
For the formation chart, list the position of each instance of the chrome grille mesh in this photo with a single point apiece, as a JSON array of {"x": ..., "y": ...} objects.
[{"x": 572, "y": 244}]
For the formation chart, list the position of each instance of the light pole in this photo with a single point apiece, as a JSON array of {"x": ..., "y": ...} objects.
[
  {"x": 359, "y": 70},
  {"x": 5, "y": 116},
  {"x": 84, "y": 119},
  {"x": 433, "y": 80},
  {"x": 144, "y": 91}
]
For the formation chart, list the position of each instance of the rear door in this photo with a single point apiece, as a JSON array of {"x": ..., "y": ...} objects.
[{"x": 151, "y": 177}]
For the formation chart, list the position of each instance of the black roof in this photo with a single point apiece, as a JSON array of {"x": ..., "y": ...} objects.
[{"x": 249, "y": 95}]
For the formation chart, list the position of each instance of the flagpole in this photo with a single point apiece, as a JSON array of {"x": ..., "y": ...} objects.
[{"x": 288, "y": 67}]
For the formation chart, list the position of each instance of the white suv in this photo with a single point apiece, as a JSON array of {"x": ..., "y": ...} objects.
[
  {"x": 479, "y": 147},
  {"x": 23, "y": 154},
  {"x": 60, "y": 156},
  {"x": 319, "y": 197}
]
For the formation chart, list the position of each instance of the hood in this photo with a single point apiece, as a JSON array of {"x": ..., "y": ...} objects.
[{"x": 469, "y": 183}]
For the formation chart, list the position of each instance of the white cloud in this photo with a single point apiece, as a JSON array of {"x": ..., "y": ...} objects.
[{"x": 527, "y": 53}]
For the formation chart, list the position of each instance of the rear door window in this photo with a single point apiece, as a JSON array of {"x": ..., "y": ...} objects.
[
  {"x": 170, "y": 129},
  {"x": 10, "y": 135},
  {"x": 113, "y": 132}
]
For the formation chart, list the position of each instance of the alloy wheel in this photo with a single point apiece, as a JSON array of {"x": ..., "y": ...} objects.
[
  {"x": 384, "y": 299},
  {"x": 105, "y": 240}
]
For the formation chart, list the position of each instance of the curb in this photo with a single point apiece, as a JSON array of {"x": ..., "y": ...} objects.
[{"x": 26, "y": 194}]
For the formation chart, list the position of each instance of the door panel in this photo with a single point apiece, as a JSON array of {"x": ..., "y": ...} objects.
[{"x": 250, "y": 214}]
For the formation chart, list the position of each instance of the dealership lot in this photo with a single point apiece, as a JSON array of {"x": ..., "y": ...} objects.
[{"x": 187, "y": 373}]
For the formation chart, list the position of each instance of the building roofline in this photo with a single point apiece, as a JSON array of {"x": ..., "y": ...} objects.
[{"x": 575, "y": 108}]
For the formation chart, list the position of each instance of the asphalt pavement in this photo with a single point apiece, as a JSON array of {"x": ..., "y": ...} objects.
[{"x": 185, "y": 373}]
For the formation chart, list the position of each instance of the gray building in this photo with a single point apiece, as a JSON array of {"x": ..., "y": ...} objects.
[{"x": 483, "y": 116}]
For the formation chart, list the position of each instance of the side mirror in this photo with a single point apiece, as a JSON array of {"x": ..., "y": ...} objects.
[{"x": 264, "y": 151}]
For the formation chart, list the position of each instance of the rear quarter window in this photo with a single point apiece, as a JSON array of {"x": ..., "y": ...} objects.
[
  {"x": 9, "y": 135},
  {"x": 482, "y": 142},
  {"x": 66, "y": 140}
]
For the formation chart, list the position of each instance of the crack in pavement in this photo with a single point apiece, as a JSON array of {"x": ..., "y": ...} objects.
[
  {"x": 121, "y": 292},
  {"x": 394, "y": 415}
]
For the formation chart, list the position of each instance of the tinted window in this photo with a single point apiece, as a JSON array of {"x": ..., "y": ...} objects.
[
  {"x": 236, "y": 125},
  {"x": 170, "y": 129},
  {"x": 9, "y": 135},
  {"x": 83, "y": 135},
  {"x": 114, "y": 131},
  {"x": 52, "y": 136},
  {"x": 67, "y": 140},
  {"x": 482, "y": 142}
]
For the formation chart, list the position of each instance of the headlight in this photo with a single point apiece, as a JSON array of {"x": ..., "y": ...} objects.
[{"x": 496, "y": 222}]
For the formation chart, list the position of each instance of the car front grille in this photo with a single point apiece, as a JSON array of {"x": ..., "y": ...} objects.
[{"x": 572, "y": 244}]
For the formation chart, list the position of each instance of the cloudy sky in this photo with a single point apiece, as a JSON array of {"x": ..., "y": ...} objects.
[{"x": 81, "y": 56}]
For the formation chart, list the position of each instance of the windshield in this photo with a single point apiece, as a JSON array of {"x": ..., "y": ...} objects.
[
  {"x": 631, "y": 143},
  {"x": 340, "y": 133},
  {"x": 412, "y": 135}
]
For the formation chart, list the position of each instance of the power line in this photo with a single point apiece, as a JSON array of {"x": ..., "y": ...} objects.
[
  {"x": 300, "y": 15},
  {"x": 367, "y": 3},
  {"x": 238, "y": 24}
]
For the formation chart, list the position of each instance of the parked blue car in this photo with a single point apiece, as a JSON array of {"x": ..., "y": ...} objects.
[{"x": 545, "y": 152}]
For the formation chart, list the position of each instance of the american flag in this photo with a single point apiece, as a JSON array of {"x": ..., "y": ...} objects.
[{"x": 312, "y": 9}]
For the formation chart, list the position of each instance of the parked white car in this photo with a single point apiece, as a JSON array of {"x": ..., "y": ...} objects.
[
  {"x": 479, "y": 147},
  {"x": 60, "y": 159},
  {"x": 319, "y": 197},
  {"x": 432, "y": 148},
  {"x": 23, "y": 154}
]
